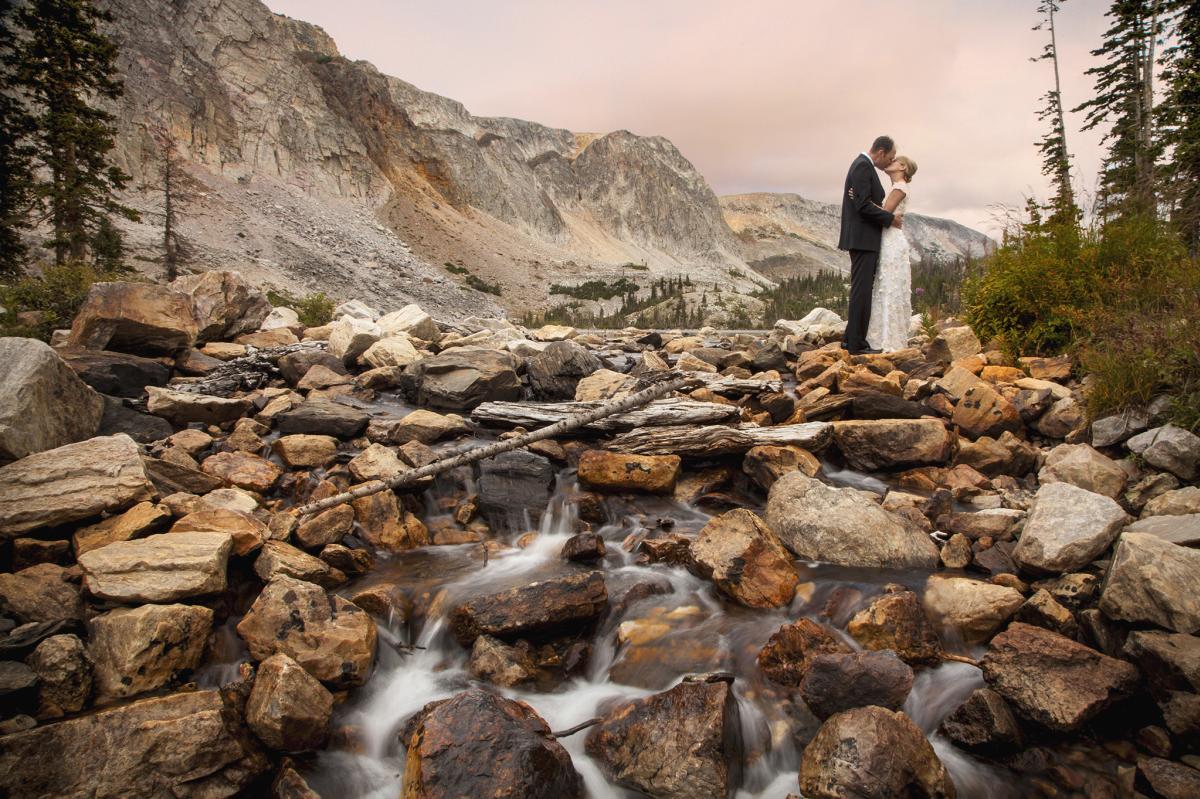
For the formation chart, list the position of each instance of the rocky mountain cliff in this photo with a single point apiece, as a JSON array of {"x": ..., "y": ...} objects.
[
  {"x": 308, "y": 171},
  {"x": 785, "y": 235}
]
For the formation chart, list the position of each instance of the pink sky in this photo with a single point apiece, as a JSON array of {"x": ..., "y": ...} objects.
[{"x": 761, "y": 95}]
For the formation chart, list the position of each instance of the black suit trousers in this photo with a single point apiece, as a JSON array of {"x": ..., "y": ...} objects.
[{"x": 863, "y": 265}]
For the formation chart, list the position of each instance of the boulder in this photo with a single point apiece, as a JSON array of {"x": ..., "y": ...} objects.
[
  {"x": 281, "y": 316},
  {"x": 1183, "y": 530},
  {"x": 463, "y": 377},
  {"x": 496, "y": 662},
  {"x": 745, "y": 560},
  {"x": 182, "y": 745},
  {"x": 1169, "y": 661},
  {"x": 288, "y": 709},
  {"x": 895, "y": 621},
  {"x": 983, "y": 411},
  {"x": 538, "y": 609},
  {"x": 319, "y": 416},
  {"x": 1043, "y": 610},
  {"x": 1062, "y": 417},
  {"x": 614, "y": 471},
  {"x": 984, "y": 724},
  {"x": 555, "y": 372},
  {"x": 604, "y": 384},
  {"x": 953, "y": 344},
  {"x": 355, "y": 309},
  {"x": 873, "y": 753},
  {"x": 1169, "y": 448},
  {"x": 160, "y": 568},
  {"x": 1084, "y": 467},
  {"x": 184, "y": 407},
  {"x": 376, "y": 462},
  {"x": 385, "y": 525},
  {"x": 137, "y": 318},
  {"x": 301, "y": 451},
  {"x": 1112, "y": 430},
  {"x": 118, "y": 374},
  {"x": 1153, "y": 580},
  {"x": 870, "y": 445},
  {"x": 140, "y": 649},
  {"x": 331, "y": 638},
  {"x": 1179, "y": 502},
  {"x": 71, "y": 483},
  {"x": 838, "y": 682},
  {"x": 1006, "y": 455},
  {"x": 142, "y": 519},
  {"x": 247, "y": 531},
  {"x": 766, "y": 463},
  {"x": 483, "y": 745},
  {"x": 1052, "y": 680},
  {"x": 64, "y": 673},
  {"x": 40, "y": 593},
  {"x": 43, "y": 403},
  {"x": 1067, "y": 528},
  {"x": 427, "y": 427},
  {"x": 789, "y": 652},
  {"x": 395, "y": 350},
  {"x": 279, "y": 557},
  {"x": 224, "y": 304},
  {"x": 841, "y": 526},
  {"x": 973, "y": 609},
  {"x": 141, "y": 427},
  {"x": 295, "y": 365},
  {"x": 410, "y": 320},
  {"x": 350, "y": 338},
  {"x": 243, "y": 470},
  {"x": 327, "y": 527},
  {"x": 1169, "y": 779},
  {"x": 684, "y": 743},
  {"x": 583, "y": 547}
]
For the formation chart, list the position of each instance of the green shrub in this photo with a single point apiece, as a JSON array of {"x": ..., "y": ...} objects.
[
  {"x": 314, "y": 310},
  {"x": 597, "y": 289},
  {"x": 479, "y": 284},
  {"x": 55, "y": 295},
  {"x": 456, "y": 270}
]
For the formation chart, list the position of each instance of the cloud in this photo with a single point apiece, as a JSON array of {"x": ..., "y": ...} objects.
[{"x": 763, "y": 95}]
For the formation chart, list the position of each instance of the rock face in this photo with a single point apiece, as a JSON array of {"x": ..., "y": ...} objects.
[
  {"x": 872, "y": 753},
  {"x": 288, "y": 709},
  {"x": 884, "y": 444},
  {"x": 1067, "y": 528},
  {"x": 974, "y": 609},
  {"x": 684, "y": 743},
  {"x": 139, "y": 649},
  {"x": 1051, "y": 679},
  {"x": 463, "y": 377},
  {"x": 138, "y": 318},
  {"x": 1152, "y": 580},
  {"x": 838, "y": 682},
  {"x": 612, "y": 471},
  {"x": 183, "y": 745},
  {"x": 159, "y": 568},
  {"x": 224, "y": 304},
  {"x": 71, "y": 483},
  {"x": 840, "y": 526},
  {"x": 515, "y": 481},
  {"x": 331, "y": 638},
  {"x": 480, "y": 744},
  {"x": 43, "y": 403},
  {"x": 532, "y": 610},
  {"x": 746, "y": 561}
]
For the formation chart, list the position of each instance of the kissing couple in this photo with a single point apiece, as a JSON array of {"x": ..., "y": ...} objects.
[{"x": 880, "y": 276}]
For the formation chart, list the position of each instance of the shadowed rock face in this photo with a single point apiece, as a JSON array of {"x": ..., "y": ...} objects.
[{"x": 536, "y": 609}]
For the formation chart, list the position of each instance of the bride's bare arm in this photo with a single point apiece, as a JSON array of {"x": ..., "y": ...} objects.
[{"x": 893, "y": 200}]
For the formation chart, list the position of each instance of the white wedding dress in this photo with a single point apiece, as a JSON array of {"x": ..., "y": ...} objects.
[{"x": 891, "y": 296}]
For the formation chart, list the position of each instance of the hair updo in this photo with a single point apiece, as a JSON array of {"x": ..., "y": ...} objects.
[{"x": 910, "y": 166}]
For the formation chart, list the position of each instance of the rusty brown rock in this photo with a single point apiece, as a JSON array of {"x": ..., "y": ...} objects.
[
  {"x": 765, "y": 463},
  {"x": 612, "y": 471},
  {"x": 897, "y": 622},
  {"x": 288, "y": 709},
  {"x": 139, "y": 649},
  {"x": 788, "y": 653},
  {"x": 536, "y": 609},
  {"x": 745, "y": 560},
  {"x": 243, "y": 470}
]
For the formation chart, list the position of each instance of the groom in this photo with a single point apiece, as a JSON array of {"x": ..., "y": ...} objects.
[{"x": 863, "y": 221}]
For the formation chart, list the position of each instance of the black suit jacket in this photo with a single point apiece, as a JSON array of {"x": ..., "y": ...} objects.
[{"x": 863, "y": 220}]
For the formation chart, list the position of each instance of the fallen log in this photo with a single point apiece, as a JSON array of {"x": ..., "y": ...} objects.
[
  {"x": 245, "y": 373},
  {"x": 712, "y": 440},
  {"x": 722, "y": 384},
  {"x": 659, "y": 385},
  {"x": 663, "y": 412}
]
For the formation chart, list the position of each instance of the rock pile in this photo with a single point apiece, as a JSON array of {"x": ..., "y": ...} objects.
[{"x": 147, "y": 496}]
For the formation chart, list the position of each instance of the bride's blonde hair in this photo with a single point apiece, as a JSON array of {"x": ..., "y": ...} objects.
[{"x": 910, "y": 166}]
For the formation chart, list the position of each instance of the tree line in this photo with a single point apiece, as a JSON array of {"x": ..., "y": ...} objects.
[{"x": 1147, "y": 100}]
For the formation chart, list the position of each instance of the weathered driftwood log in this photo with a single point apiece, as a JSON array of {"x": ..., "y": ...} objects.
[
  {"x": 719, "y": 439},
  {"x": 660, "y": 385},
  {"x": 252, "y": 370},
  {"x": 663, "y": 412},
  {"x": 721, "y": 384}
]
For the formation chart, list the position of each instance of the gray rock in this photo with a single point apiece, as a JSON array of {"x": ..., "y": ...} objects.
[
  {"x": 1169, "y": 448},
  {"x": 972, "y": 609},
  {"x": 555, "y": 372},
  {"x": 140, "y": 649},
  {"x": 1084, "y": 467},
  {"x": 1067, "y": 528},
  {"x": 118, "y": 374},
  {"x": 224, "y": 304},
  {"x": 18, "y": 688},
  {"x": 43, "y": 403},
  {"x": 841, "y": 526},
  {"x": 1155, "y": 581},
  {"x": 184, "y": 407},
  {"x": 463, "y": 377},
  {"x": 71, "y": 483},
  {"x": 1183, "y": 530},
  {"x": 159, "y": 568},
  {"x": 513, "y": 483},
  {"x": 838, "y": 682},
  {"x": 1169, "y": 661},
  {"x": 1112, "y": 430},
  {"x": 323, "y": 417}
]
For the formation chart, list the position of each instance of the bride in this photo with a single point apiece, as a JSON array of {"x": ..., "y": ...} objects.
[{"x": 891, "y": 297}]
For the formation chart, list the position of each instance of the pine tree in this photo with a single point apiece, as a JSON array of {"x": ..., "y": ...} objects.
[
  {"x": 63, "y": 64},
  {"x": 1181, "y": 121},
  {"x": 16, "y": 157},
  {"x": 1125, "y": 101},
  {"x": 1056, "y": 158}
]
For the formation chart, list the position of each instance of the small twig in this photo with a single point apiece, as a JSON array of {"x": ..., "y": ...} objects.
[
  {"x": 960, "y": 659},
  {"x": 577, "y": 728}
]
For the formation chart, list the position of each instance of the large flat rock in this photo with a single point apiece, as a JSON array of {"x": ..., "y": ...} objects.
[
  {"x": 1068, "y": 527},
  {"x": 1152, "y": 580},
  {"x": 159, "y": 568},
  {"x": 71, "y": 483}
]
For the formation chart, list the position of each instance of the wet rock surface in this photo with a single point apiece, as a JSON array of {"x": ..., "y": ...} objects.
[{"x": 535, "y": 609}]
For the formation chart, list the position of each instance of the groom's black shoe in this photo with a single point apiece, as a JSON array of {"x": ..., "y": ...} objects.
[{"x": 867, "y": 351}]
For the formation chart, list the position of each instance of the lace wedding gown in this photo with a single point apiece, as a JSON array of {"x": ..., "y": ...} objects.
[{"x": 891, "y": 296}]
